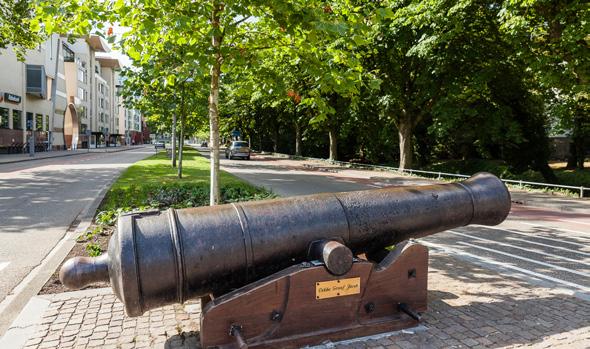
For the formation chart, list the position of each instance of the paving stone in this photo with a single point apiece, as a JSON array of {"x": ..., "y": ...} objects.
[
  {"x": 48, "y": 344},
  {"x": 471, "y": 309},
  {"x": 34, "y": 341}
]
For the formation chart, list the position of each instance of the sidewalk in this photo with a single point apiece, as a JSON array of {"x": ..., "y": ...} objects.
[
  {"x": 469, "y": 307},
  {"x": 12, "y": 158}
]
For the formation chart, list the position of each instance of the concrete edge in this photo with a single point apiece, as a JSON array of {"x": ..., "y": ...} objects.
[
  {"x": 63, "y": 155},
  {"x": 25, "y": 324},
  {"x": 29, "y": 287}
]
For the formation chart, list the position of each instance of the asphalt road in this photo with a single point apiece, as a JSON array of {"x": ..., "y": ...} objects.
[
  {"x": 541, "y": 245},
  {"x": 39, "y": 201}
]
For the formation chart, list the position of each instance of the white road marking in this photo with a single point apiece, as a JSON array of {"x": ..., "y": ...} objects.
[
  {"x": 3, "y": 265},
  {"x": 577, "y": 261},
  {"x": 555, "y": 247},
  {"x": 548, "y": 265},
  {"x": 549, "y": 227},
  {"x": 460, "y": 253},
  {"x": 532, "y": 235}
]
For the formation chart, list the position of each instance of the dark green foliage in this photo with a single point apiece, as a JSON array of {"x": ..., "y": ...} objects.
[{"x": 16, "y": 28}]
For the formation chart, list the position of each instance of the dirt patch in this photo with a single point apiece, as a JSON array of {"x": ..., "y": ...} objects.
[{"x": 53, "y": 285}]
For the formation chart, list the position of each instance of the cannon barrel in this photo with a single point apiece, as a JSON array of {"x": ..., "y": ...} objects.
[{"x": 158, "y": 258}]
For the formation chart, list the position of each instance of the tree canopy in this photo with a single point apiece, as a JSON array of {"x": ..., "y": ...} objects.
[{"x": 407, "y": 82}]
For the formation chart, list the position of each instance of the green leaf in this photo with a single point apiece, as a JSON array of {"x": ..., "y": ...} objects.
[{"x": 170, "y": 80}]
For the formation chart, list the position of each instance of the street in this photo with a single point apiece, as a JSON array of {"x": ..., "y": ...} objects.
[
  {"x": 39, "y": 201},
  {"x": 542, "y": 245},
  {"x": 523, "y": 282}
]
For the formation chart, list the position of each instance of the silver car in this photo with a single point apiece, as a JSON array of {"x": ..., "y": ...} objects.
[{"x": 239, "y": 149}]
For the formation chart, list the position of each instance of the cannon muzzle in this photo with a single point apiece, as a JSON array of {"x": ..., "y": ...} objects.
[{"x": 158, "y": 258}]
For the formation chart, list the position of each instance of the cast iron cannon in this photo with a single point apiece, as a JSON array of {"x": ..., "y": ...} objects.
[{"x": 159, "y": 258}]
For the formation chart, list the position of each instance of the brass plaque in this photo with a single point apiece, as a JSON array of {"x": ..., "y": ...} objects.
[{"x": 337, "y": 288}]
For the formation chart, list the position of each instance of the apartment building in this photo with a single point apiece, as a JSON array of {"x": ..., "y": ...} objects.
[
  {"x": 33, "y": 98},
  {"x": 134, "y": 126},
  {"x": 65, "y": 93}
]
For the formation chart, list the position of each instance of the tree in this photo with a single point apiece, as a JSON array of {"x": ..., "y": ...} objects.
[
  {"x": 18, "y": 27},
  {"x": 553, "y": 38},
  {"x": 218, "y": 35},
  {"x": 163, "y": 89}
]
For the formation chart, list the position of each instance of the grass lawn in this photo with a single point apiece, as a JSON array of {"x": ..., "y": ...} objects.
[{"x": 152, "y": 182}]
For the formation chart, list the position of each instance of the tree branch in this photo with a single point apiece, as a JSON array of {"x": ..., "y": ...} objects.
[{"x": 236, "y": 23}]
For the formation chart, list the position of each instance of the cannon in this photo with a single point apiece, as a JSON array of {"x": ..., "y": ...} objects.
[{"x": 292, "y": 271}]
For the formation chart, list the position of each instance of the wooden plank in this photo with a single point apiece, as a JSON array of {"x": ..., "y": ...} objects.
[{"x": 282, "y": 310}]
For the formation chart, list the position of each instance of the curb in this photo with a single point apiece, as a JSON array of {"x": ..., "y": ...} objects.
[
  {"x": 14, "y": 303},
  {"x": 64, "y": 155}
]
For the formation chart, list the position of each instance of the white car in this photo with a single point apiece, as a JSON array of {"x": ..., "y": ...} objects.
[{"x": 238, "y": 149}]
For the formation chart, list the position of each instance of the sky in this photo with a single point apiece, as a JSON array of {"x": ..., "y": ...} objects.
[{"x": 118, "y": 31}]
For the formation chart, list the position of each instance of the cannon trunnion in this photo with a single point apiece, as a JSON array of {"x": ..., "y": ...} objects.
[{"x": 294, "y": 271}]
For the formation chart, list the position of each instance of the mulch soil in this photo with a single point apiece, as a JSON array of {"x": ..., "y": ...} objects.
[{"x": 53, "y": 285}]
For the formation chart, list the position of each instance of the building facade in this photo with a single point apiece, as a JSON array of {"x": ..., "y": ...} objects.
[
  {"x": 65, "y": 95},
  {"x": 26, "y": 105}
]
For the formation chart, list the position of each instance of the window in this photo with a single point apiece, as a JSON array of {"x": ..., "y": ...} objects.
[
  {"x": 82, "y": 75},
  {"x": 3, "y": 117},
  {"x": 17, "y": 119},
  {"x": 29, "y": 121},
  {"x": 83, "y": 128},
  {"x": 39, "y": 121},
  {"x": 101, "y": 102},
  {"x": 68, "y": 54},
  {"x": 81, "y": 93},
  {"x": 82, "y": 113},
  {"x": 36, "y": 80}
]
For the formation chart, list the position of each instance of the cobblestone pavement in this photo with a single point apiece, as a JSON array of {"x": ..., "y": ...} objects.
[{"x": 469, "y": 307}]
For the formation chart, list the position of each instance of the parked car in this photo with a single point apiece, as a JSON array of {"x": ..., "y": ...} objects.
[
  {"x": 159, "y": 144},
  {"x": 204, "y": 144},
  {"x": 238, "y": 149}
]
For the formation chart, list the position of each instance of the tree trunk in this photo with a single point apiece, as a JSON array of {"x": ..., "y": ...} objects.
[
  {"x": 579, "y": 143},
  {"x": 213, "y": 104},
  {"x": 275, "y": 139},
  {"x": 297, "y": 139},
  {"x": 572, "y": 159},
  {"x": 581, "y": 153},
  {"x": 173, "y": 140},
  {"x": 180, "y": 145},
  {"x": 405, "y": 129},
  {"x": 333, "y": 143},
  {"x": 577, "y": 151}
]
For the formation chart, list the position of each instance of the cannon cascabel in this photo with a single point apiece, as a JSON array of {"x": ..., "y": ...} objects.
[{"x": 159, "y": 258}]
